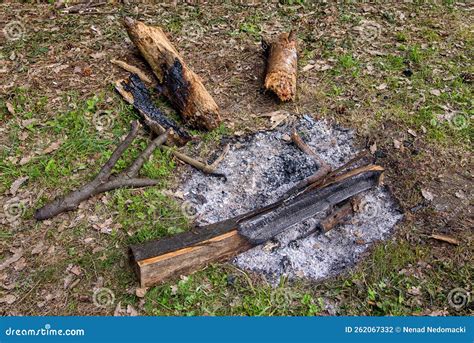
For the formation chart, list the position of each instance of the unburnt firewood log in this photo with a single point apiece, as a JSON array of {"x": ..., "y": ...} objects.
[
  {"x": 282, "y": 66},
  {"x": 179, "y": 83}
]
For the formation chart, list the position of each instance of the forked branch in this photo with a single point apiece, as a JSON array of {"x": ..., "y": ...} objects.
[{"x": 105, "y": 181}]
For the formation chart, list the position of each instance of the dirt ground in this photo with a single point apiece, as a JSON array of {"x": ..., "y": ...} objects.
[{"x": 400, "y": 75}]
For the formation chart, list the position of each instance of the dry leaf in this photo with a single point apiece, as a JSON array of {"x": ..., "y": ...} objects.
[
  {"x": 373, "y": 148},
  {"x": 76, "y": 270},
  {"x": 141, "y": 292},
  {"x": 59, "y": 68},
  {"x": 435, "y": 92},
  {"x": 20, "y": 264},
  {"x": 27, "y": 122},
  {"x": 38, "y": 248},
  {"x": 54, "y": 146},
  {"x": 9, "y": 299},
  {"x": 381, "y": 87},
  {"x": 445, "y": 238},
  {"x": 397, "y": 144},
  {"x": 118, "y": 310},
  {"x": 98, "y": 55},
  {"x": 24, "y": 160},
  {"x": 10, "y": 108},
  {"x": 17, "y": 184},
  {"x": 15, "y": 257},
  {"x": 427, "y": 194},
  {"x": 414, "y": 291},
  {"x": 307, "y": 67},
  {"x": 131, "y": 311},
  {"x": 411, "y": 132}
]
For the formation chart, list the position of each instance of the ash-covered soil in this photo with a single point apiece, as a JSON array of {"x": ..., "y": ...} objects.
[{"x": 259, "y": 169}]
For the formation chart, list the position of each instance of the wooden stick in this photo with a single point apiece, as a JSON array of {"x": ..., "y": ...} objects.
[
  {"x": 180, "y": 84},
  {"x": 105, "y": 181},
  {"x": 205, "y": 168},
  {"x": 340, "y": 214},
  {"x": 282, "y": 67},
  {"x": 323, "y": 168},
  {"x": 131, "y": 69}
]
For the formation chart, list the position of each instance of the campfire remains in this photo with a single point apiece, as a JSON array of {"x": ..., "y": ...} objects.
[
  {"x": 294, "y": 196},
  {"x": 261, "y": 169},
  {"x": 331, "y": 194}
]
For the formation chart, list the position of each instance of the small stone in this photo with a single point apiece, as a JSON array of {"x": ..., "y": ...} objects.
[
  {"x": 460, "y": 194},
  {"x": 427, "y": 194}
]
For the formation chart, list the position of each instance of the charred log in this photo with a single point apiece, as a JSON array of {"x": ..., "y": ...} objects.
[
  {"x": 180, "y": 84},
  {"x": 135, "y": 93}
]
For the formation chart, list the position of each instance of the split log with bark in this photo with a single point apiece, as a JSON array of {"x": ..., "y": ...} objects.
[
  {"x": 179, "y": 83},
  {"x": 281, "y": 69}
]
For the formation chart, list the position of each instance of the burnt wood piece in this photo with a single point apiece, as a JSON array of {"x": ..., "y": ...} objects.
[
  {"x": 105, "y": 181},
  {"x": 281, "y": 67},
  {"x": 159, "y": 260},
  {"x": 135, "y": 93},
  {"x": 262, "y": 228},
  {"x": 179, "y": 83},
  {"x": 340, "y": 214}
]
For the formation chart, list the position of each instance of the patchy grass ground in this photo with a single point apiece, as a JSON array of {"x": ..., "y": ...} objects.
[{"x": 400, "y": 74}]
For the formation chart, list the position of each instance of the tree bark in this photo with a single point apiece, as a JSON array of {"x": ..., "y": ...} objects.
[
  {"x": 282, "y": 67},
  {"x": 179, "y": 83}
]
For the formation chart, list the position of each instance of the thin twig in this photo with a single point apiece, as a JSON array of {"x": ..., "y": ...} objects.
[
  {"x": 205, "y": 168},
  {"x": 323, "y": 168},
  {"x": 84, "y": 6}
]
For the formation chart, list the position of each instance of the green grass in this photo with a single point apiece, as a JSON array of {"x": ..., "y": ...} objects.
[{"x": 149, "y": 214}]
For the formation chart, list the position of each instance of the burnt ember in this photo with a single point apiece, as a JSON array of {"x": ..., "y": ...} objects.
[{"x": 260, "y": 168}]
